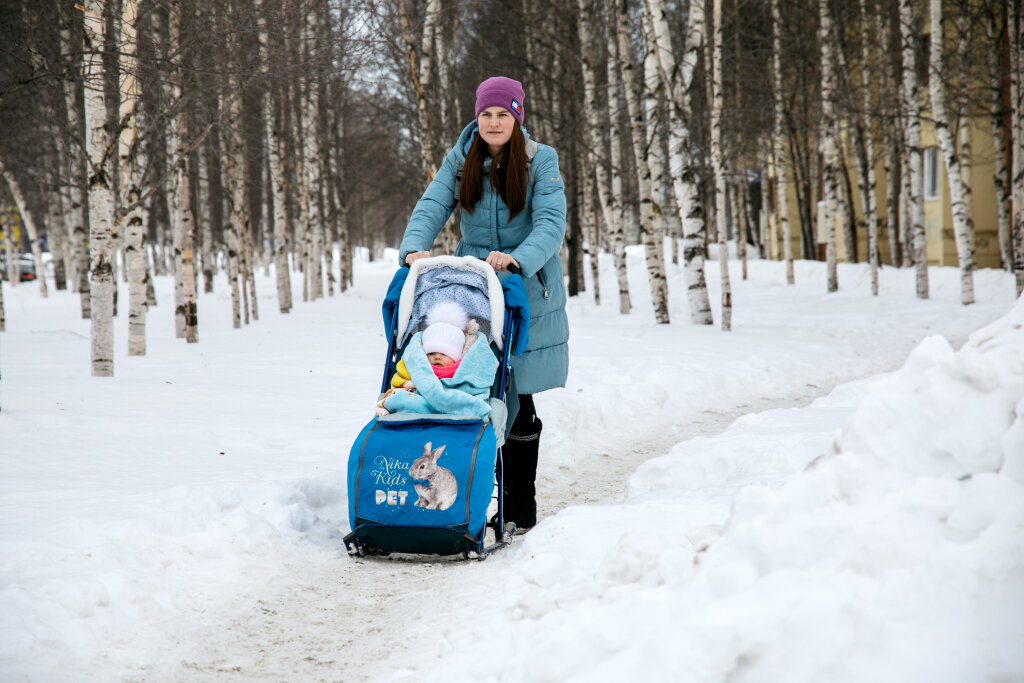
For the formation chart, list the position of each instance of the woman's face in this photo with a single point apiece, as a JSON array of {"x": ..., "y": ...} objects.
[{"x": 496, "y": 126}]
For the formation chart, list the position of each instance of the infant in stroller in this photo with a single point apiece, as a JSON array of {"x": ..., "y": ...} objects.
[{"x": 447, "y": 368}]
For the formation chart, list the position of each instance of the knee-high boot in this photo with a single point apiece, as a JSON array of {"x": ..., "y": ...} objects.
[{"x": 519, "y": 455}]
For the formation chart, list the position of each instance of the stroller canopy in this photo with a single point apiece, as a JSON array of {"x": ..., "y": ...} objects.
[{"x": 464, "y": 279}]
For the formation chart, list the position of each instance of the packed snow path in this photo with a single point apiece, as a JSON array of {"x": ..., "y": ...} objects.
[
  {"x": 183, "y": 520},
  {"x": 349, "y": 619}
]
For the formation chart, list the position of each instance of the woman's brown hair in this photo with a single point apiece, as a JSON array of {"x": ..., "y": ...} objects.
[{"x": 508, "y": 174}]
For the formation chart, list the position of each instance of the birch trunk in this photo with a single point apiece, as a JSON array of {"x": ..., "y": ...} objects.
[
  {"x": 29, "y": 221},
  {"x": 129, "y": 166},
  {"x": 779, "y": 152},
  {"x": 186, "y": 312},
  {"x": 1015, "y": 29},
  {"x": 678, "y": 77},
  {"x": 997, "y": 116},
  {"x": 910, "y": 29},
  {"x": 235, "y": 226},
  {"x": 618, "y": 205},
  {"x": 101, "y": 196},
  {"x": 71, "y": 48},
  {"x": 420, "y": 76},
  {"x": 275, "y": 152},
  {"x": 311, "y": 148},
  {"x": 653, "y": 247},
  {"x": 595, "y": 148},
  {"x": 715, "y": 84},
  {"x": 212, "y": 206},
  {"x": 960, "y": 193},
  {"x": 964, "y": 29},
  {"x": 830, "y": 155},
  {"x": 883, "y": 27},
  {"x": 869, "y": 183}
]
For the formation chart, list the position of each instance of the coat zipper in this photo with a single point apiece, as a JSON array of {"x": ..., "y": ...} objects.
[{"x": 543, "y": 286}]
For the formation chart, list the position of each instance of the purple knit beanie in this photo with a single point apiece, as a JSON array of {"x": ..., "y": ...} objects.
[{"x": 499, "y": 91}]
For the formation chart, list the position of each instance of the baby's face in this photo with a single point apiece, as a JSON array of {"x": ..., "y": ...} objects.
[{"x": 439, "y": 359}]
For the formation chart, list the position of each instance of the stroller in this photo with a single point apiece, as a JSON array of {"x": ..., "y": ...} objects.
[{"x": 423, "y": 483}]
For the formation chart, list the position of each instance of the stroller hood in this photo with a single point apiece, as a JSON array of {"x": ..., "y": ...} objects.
[{"x": 464, "y": 278}]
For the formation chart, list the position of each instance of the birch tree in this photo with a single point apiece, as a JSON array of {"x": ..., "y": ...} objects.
[
  {"x": 653, "y": 247},
  {"x": 779, "y": 148},
  {"x": 29, "y": 221},
  {"x": 311, "y": 149},
  {"x": 868, "y": 181},
  {"x": 677, "y": 77},
  {"x": 592, "y": 142},
  {"x": 891, "y": 140},
  {"x": 101, "y": 197},
  {"x": 186, "y": 311},
  {"x": 130, "y": 168},
  {"x": 71, "y": 49},
  {"x": 997, "y": 117},
  {"x": 618, "y": 209},
  {"x": 715, "y": 84},
  {"x": 278, "y": 178},
  {"x": 420, "y": 75},
  {"x": 1015, "y": 25},
  {"x": 909, "y": 30},
  {"x": 960, "y": 192},
  {"x": 830, "y": 156}
]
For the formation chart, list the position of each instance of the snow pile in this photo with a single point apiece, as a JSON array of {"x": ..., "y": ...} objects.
[
  {"x": 792, "y": 547},
  {"x": 951, "y": 413}
]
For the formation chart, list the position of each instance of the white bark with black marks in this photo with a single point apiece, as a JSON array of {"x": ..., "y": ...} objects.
[
  {"x": 595, "y": 149},
  {"x": 779, "y": 151},
  {"x": 830, "y": 156},
  {"x": 28, "y": 220},
  {"x": 101, "y": 195},
  {"x": 909, "y": 29},
  {"x": 1015, "y": 25},
  {"x": 130, "y": 166},
  {"x": 997, "y": 116},
  {"x": 869, "y": 204},
  {"x": 653, "y": 247},
  {"x": 715, "y": 85},
  {"x": 617, "y": 199},
  {"x": 678, "y": 77},
  {"x": 959, "y": 191}
]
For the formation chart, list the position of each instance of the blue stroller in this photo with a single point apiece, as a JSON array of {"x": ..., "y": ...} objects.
[{"x": 422, "y": 483}]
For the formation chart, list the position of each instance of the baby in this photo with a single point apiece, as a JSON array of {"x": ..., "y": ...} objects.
[{"x": 443, "y": 369}]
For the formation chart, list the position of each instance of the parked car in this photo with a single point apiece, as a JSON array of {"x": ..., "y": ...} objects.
[{"x": 25, "y": 263}]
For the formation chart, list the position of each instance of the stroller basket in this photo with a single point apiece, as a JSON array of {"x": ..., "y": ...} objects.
[{"x": 422, "y": 483}]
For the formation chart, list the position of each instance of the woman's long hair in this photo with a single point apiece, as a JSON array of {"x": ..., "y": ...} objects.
[{"x": 508, "y": 174}]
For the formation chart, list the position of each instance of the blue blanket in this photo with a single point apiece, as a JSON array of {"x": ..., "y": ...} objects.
[{"x": 465, "y": 393}]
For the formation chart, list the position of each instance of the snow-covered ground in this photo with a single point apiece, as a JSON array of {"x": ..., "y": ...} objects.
[{"x": 183, "y": 520}]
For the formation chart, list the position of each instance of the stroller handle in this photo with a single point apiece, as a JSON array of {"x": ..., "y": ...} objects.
[{"x": 513, "y": 268}]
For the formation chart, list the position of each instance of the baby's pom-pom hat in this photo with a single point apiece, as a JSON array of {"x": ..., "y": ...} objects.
[{"x": 445, "y": 332}]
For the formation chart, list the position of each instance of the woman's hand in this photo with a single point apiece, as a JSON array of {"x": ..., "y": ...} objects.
[
  {"x": 412, "y": 256},
  {"x": 500, "y": 261}
]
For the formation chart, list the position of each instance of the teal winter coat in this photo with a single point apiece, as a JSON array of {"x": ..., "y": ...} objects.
[{"x": 532, "y": 238}]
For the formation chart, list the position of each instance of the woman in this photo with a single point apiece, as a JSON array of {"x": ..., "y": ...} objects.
[{"x": 513, "y": 213}]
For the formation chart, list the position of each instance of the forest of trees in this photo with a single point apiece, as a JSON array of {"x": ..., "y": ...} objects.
[{"x": 198, "y": 138}]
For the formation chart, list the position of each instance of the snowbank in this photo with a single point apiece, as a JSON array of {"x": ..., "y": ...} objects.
[{"x": 877, "y": 535}]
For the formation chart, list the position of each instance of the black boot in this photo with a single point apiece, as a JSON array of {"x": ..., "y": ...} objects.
[
  {"x": 519, "y": 455},
  {"x": 520, "y": 459}
]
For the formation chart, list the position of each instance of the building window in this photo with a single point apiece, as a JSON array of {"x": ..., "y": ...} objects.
[{"x": 931, "y": 172}]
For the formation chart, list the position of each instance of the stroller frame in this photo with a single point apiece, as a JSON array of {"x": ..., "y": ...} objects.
[{"x": 359, "y": 542}]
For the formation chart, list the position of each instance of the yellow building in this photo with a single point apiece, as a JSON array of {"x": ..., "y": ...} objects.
[{"x": 938, "y": 212}]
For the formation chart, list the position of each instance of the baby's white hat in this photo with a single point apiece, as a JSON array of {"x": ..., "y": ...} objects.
[{"x": 445, "y": 333}]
